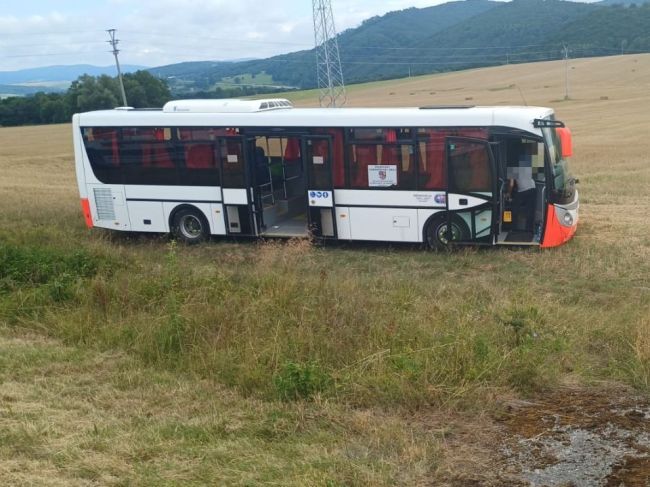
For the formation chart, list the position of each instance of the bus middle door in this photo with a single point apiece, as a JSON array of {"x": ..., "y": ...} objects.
[
  {"x": 471, "y": 192},
  {"x": 320, "y": 188},
  {"x": 235, "y": 184}
]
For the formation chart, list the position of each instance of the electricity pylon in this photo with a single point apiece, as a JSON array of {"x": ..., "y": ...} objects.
[
  {"x": 328, "y": 62},
  {"x": 113, "y": 42}
]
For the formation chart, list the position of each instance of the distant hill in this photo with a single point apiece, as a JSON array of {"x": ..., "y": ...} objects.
[
  {"x": 53, "y": 78},
  {"x": 623, "y": 2},
  {"x": 619, "y": 30},
  {"x": 18, "y": 90},
  {"x": 392, "y": 30},
  {"x": 451, "y": 36},
  {"x": 454, "y": 35}
]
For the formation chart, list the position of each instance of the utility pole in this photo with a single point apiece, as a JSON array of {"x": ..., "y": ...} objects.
[
  {"x": 566, "y": 71},
  {"x": 329, "y": 73},
  {"x": 113, "y": 42}
]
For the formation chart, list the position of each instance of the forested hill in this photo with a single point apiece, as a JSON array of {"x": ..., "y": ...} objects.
[{"x": 454, "y": 35}]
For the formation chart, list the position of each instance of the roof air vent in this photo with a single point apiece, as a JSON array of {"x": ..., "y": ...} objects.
[{"x": 227, "y": 105}]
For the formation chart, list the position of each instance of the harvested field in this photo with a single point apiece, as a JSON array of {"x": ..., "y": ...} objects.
[{"x": 128, "y": 360}]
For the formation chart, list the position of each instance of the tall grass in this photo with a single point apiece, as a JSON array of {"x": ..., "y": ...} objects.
[{"x": 286, "y": 320}]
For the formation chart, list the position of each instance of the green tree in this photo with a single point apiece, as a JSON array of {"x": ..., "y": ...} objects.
[
  {"x": 143, "y": 90},
  {"x": 93, "y": 93},
  {"x": 85, "y": 94}
]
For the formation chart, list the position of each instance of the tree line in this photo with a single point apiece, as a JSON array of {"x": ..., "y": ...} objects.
[{"x": 143, "y": 90}]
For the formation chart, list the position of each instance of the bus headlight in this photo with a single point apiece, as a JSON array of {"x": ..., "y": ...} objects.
[{"x": 567, "y": 219}]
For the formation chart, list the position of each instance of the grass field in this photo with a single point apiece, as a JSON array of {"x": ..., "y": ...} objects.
[{"x": 134, "y": 361}]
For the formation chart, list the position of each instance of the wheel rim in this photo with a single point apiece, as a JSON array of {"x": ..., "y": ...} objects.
[
  {"x": 190, "y": 227},
  {"x": 441, "y": 233}
]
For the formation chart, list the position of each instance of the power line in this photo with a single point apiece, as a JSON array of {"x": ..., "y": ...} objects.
[
  {"x": 221, "y": 39},
  {"x": 84, "y": 43}
]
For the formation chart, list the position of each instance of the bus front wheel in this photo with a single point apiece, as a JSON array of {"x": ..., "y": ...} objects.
[
  {"x": 437, "y": 232},
  {"x": 190, "y": 226}
]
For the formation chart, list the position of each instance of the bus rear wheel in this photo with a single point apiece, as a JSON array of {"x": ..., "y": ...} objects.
[
  {"x": 437, "y": 233},
  {"x": 190, "y": 226}
]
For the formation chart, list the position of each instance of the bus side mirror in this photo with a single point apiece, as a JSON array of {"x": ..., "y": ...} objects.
[{"x": 565, "y": 138}]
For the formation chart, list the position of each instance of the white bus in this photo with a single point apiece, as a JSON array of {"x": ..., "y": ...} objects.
[{"x": 262, "y": 168}]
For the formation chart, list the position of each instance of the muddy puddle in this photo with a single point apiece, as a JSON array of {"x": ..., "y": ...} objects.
[
  {"x": 573, "y": 437},
  {"x": 578, "y": 437}
]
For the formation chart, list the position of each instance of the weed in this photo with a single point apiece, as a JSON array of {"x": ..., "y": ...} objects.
[
  {"x": 301, "y": 380},
  {"x": 522, "y": 322}
]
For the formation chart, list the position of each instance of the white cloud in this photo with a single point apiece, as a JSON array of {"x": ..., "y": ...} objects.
[{"x": 157, "y": 32}]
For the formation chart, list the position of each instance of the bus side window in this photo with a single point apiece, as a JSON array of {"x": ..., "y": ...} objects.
[
  {"x": 102, "y": 146},
  {"x": 400, "y": 155},
  {"x": 338, "y": 155},
  {"x": 292, "y": 150},
  {"x": 199, "y": 156},
  {"x": 232, "y": 162},
  {"x": 470, "y": 168},
  {"x": 363, "y": 155},
  {"x": 432, "y": 161},
  {"x": 198, "y": 148},
  {"x": 318, "y": 159},
  {"x": 156, "y": 156},
  {"x": 160, "y": 150}
]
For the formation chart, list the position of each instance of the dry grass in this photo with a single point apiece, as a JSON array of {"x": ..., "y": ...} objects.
[
  {"x": 72, "y": 417},
  {"x": 182, "y": 357}
]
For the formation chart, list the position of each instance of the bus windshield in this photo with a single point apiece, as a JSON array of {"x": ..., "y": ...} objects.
[{"x": 563, "y": 182}]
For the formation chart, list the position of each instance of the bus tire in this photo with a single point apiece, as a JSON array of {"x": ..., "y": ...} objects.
[
  {"x": 435, "y": 232},
  {"x": 188, "y": 224}
]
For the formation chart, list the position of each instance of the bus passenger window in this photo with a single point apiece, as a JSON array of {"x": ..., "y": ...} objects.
[
  {"x": 232, "y": 162},
  {"x": 470, "y": 168},
  {"x": 363, "y": 155},
  {"x": 102, "y": 146},
  {"x": 432, "y": 162},
  {"x": 292, "y": 150},
  {"x": 199, "y": 156},
  {"x": 338, "y": 155},
  {"x": 318, "y": 160},
  {"x": 402, "y": 157}
]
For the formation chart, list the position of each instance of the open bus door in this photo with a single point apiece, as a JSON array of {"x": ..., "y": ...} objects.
[
  {"x": 317, "y": 151},
  {"x": 235, "y": 184},
  {"x": 472, "y": 197}
]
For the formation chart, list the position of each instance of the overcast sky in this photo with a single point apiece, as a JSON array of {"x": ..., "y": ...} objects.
[{"x": 156, "y": 32}]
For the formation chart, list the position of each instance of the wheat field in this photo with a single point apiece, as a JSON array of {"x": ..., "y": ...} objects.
[{"x": 135, "y": 361}]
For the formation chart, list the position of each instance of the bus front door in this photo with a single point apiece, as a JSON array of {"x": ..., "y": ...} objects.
[
  {"x": 320, "y": 190},
  {"x": 471, "y": 192},
  {"x": 235, "y": 187}
]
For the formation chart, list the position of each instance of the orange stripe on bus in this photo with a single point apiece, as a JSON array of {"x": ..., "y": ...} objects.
[{"x": 85, "y": 207}]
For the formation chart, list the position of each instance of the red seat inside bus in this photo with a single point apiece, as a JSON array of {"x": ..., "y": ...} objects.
[
  {"x": 364, "y": 156},
  {"x": 199, "y": 156}
]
